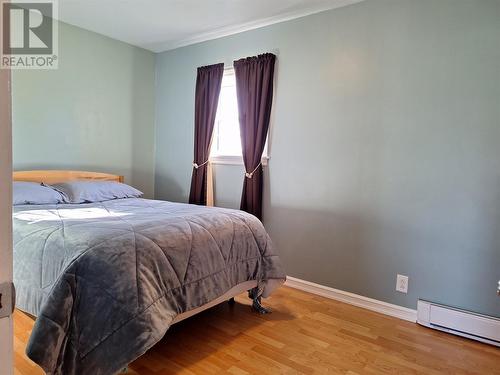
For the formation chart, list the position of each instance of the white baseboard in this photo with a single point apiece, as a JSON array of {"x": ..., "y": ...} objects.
[{"x": 353, "y": 299}]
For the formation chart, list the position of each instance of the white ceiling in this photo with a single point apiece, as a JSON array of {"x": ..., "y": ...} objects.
[{"x": 160, "y": 25}]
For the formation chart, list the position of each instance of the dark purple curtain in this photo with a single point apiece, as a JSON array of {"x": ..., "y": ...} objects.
[
  {"x": 254, "y": 87},
  {"x": 208, "y": 83}
]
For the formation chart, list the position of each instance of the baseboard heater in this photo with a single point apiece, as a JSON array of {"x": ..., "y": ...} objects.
[{"x": 459, "y": 322}]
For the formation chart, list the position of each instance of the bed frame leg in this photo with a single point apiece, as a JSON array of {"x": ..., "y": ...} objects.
[
  {"x": 257, "y": 302},
  {"x": 257, "y": 306}
]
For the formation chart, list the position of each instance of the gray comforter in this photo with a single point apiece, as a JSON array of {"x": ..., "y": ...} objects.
[{"x": 106, "y": 279}]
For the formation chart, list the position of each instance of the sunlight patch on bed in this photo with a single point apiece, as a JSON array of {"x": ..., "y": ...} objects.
[{"x": 36, "y": 216}]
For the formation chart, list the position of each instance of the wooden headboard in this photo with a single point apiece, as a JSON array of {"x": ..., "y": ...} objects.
[{"x": 55, "y": 176}]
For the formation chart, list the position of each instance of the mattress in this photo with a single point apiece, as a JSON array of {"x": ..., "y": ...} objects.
[{"x": 106, "y": 280}]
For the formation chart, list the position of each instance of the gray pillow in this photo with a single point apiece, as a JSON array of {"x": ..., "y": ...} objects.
[
  {"x": 95, "y": 191},
  {"x": 34, "y": 193}
]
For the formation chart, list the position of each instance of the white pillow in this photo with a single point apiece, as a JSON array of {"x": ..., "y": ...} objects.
[
  {"x": 34, "y": 193},
  {"x": 95, "y": 191}
]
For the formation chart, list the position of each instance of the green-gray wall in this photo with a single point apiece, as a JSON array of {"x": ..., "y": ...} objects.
[
  {"x": 96, "y": 112},
  {"x": 385, "y": 146}
]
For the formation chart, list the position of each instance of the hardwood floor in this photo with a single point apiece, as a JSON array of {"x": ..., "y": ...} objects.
[{"x": 305, "y": 334}]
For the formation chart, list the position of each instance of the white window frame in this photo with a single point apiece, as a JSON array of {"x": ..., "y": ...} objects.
[
  {"x": 234, "y": 159},
  {"x": 237, "y": 159}
]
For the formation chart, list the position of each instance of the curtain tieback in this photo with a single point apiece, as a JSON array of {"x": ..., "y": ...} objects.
[
  {"x": 250, "y": 175},
  {"x": 196, "y": 166}
]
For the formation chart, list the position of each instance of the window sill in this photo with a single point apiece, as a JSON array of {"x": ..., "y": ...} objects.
[{"x": 233, "y": 160}]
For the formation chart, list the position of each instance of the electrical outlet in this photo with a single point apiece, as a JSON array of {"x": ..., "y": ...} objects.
[{"x": 402, "y": 283}]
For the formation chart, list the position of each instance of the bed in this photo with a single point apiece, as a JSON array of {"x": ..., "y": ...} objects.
[{"x": 107, "y": 279}]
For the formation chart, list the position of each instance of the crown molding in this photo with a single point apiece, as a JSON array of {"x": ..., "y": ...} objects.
[{"x": 231, "y": 30}]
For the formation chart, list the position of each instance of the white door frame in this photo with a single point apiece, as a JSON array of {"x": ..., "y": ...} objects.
[{"x": 6, "y": 324}]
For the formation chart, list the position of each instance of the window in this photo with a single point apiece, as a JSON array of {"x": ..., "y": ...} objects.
[
  {"x": 226, "y": 138},
  {"x": 226, "y": 141}
]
